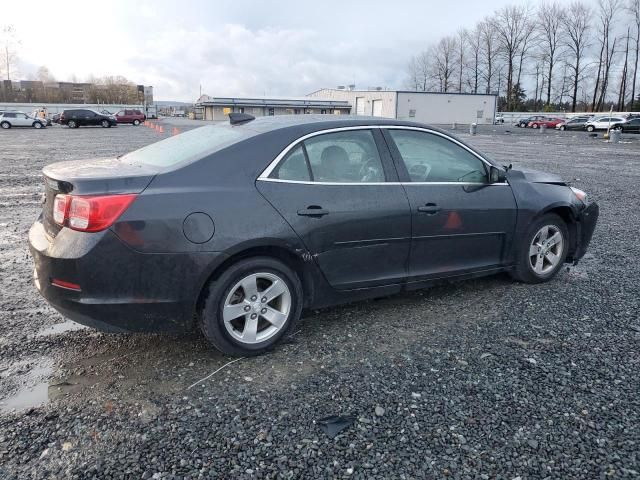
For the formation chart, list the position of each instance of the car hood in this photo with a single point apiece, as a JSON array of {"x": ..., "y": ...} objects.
[{"x": 536, "y": 176}]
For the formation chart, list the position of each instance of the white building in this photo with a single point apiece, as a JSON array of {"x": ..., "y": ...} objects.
[
  {"x": 218, "y": 108},
  {"x": 425, "y": 107}
]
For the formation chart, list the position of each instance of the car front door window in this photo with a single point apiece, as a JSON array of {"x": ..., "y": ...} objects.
[{"x": 431, "y": 158}]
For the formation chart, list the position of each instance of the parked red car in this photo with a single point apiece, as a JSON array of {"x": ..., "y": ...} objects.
[
  {"x": 135, "y": 117},
  {"x": 548, "y": 122}
]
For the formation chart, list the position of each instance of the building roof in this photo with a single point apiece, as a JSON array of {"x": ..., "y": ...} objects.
[
  {"x": 401, "y": 91},
  {"x": 206, "y": 100}
]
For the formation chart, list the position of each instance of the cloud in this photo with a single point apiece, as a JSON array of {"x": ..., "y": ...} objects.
[{"x": 236, "y": 60}]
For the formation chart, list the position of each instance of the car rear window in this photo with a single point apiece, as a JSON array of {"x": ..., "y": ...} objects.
[{"x": 188, "y": 146}]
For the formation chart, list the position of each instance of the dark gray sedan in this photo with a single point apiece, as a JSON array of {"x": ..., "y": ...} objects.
[{"x": 236, "y": 228}]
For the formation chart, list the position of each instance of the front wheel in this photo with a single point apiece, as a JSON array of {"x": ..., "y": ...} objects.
[
  {"x": 251, "y": 306},
  {"x": 543, "y": 250},
  {"x": 136, "y": 123},
  {"x": 563, "y": 128},
  {"x": 590, "y": 128},
  {"x": 37, "y": 125},
  {"x": 535, "y": 125},
  {"x": 5, "y": 125},
  {"x": 105, "y": 124}
]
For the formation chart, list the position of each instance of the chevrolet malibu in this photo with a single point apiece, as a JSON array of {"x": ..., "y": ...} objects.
[{"x": 234, "y": 229}]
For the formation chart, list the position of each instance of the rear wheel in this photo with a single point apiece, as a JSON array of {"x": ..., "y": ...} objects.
[
  {"x": 105, "y": 124},
  {"x": 72, "y": 124},
  {"x": 590, "y": 128},
  {"x": 37, "y": 125},
  {"x": 5, "y": 125},
  {"x": 251, "y": 306},
  {"x": 563, "y": 128},
  {"x": 543, "y": 250}
]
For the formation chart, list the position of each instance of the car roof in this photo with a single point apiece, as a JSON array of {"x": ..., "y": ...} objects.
[{"x": 322, "y": 122}]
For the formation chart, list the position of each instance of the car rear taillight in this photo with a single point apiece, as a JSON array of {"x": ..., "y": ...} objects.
[{"x": 90, "y": 213}]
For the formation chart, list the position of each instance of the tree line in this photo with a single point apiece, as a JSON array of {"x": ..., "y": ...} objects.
[{"x": 576, "y": 56}]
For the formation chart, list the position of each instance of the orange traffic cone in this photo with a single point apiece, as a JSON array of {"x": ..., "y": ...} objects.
[
  {"x": 160, "y": 129},
  {"x": 156, "y": 127},
  {"x": 175, "y": 131}
]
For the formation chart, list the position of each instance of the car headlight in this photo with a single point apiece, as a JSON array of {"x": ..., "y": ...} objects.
[{"x": 580, "y": 195}]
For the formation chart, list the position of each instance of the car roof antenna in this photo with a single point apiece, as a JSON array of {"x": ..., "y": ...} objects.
[{"x": 240, "y": 118}]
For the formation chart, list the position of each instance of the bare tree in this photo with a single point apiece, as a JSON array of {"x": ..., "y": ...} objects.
[
  {"x": 444, "y": 54},
  {"x": 489, "y": 52},
  {"x": 44, "y": 75},
  {"x": 623, "y": 78},
  {"x": 576, "y": 23},
  {"x": 634, "y": 9},
  {"x": 419, "y": 73},
  {"x": 511, "y": 25},
  {"x": 461, "y": 40},
  {"x": 550, "y": 19},
  {"x": 607, "y": 10},
  {"x": 9, "y": 44},
  {"x": 474, "y": 39}
]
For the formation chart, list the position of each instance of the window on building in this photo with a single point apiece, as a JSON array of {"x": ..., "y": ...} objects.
[{"x": 271, "y": 111}]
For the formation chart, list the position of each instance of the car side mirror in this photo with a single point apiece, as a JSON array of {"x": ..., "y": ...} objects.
[{"x": 496, "y": 175}]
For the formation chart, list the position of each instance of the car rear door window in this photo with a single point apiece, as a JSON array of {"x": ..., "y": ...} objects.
[
  {"x": 345, "y": 157},
  {"x": 294, "y": 167},
  {"x": 429, "y": 157}
]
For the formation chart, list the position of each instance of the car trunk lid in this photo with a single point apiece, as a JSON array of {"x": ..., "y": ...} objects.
[{"x": 108, "y": 176}]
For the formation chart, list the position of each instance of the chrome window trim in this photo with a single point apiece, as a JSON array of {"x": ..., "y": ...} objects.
[
  {"x": 264, "y": 176},
  {"x": 306, "y": 182}
]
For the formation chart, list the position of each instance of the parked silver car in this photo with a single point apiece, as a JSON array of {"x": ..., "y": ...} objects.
[{"x": 20, "y": 119}]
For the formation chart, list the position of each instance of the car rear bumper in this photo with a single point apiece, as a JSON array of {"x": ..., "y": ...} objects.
[
  {"x": 585, "y": 226},
  {"x": 121, "y": 290}
]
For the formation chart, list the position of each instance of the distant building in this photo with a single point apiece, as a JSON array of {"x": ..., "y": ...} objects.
[
  {"x": 217, "y": 108},
  {"x": 35, "y": 91},
  {"x": 426, "y": 107}
]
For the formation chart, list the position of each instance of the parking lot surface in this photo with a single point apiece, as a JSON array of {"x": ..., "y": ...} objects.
[{"x": 482, "y": 379}]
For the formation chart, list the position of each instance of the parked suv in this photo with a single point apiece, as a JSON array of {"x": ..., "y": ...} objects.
[
  {"x": 81, "y": 117},
  {"x": 602, "y": 123},
  {"x": 20, "y": 119},
  {"x": 135, "y": 117}
]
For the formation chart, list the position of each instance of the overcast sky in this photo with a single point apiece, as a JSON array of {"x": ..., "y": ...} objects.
[{"x": 235, "y": 47}]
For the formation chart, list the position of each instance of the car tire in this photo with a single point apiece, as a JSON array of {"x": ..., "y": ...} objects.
[
  {"x": 533, "y": 263},
  {"x": 5, "y": 125},
  {"x": 105, "y": 124},
  {"x": 535, "y": 125},
  {"x": 136, "y": 123},
  {"x": 72, "y": 124},
  {"x": 563, "y": 128},
  {"x": 37, "y": 125},
  {"x": 590, "y": 128},
  {"x": 223, "y": 323}
]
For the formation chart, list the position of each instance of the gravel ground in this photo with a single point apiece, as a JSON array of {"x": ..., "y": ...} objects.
[{"x": 482, "y": 379}]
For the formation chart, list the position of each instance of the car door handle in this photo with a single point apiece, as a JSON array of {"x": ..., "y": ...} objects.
[
  {"x": 313, "y": 211},
  {"x": 429, "y": 208}
]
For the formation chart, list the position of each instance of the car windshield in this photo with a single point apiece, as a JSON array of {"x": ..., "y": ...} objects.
[{"x": 188, "y": 146}]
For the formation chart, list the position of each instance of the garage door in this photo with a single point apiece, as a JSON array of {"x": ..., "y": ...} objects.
[
  {"x": 360, "y": 106},
  {"x": 377, "y": 108}
]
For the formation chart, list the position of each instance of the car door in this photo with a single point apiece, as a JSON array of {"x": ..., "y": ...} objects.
[
  {"x": 460, "y": 222},
  {"x": 340, "y": 194},
  {"x": 22, "y": 120}
]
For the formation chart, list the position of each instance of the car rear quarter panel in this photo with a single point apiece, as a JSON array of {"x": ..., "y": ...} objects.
[{"x": 221, "y": 186}]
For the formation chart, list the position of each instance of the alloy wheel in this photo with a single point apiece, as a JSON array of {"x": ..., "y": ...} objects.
[
  {"x": 257, "y": 307},
  {"x": 546, "y": 249}
]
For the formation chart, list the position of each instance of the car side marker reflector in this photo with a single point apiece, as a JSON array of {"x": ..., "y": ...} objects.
[{"x": 66, "y": 285}]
